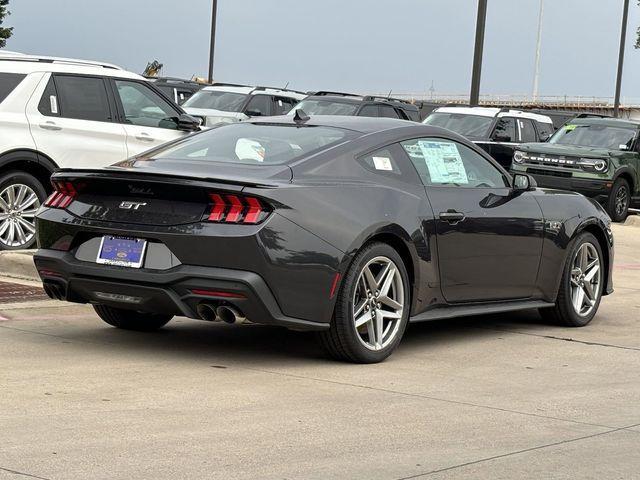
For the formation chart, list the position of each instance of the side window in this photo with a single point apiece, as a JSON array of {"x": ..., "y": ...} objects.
[
  {"x": 441, "y": 162},
  {"x": 527, "y": 131},
  {"x": 369, "y": 111},
  {"x": 49, "y": 101},
  {"x": 388, "y": 111},
  {"x": 83, "y": 98},
  {"x": 259, "y": 105},
  {"x": 144, "y": 107},
  {"x": 9, "y": 81},
  {"x": 282, "y": 105},
  {"x": 505, "y": 130},
  {"x": 381, "y": 161},
  {"x": 545, "y": 130},
  {"x": 412, "y": 115}
]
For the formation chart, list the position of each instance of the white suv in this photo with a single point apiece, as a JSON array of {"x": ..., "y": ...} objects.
[
  {"x": 228, "y": 103},
  {"x": 68, "y": 113}
]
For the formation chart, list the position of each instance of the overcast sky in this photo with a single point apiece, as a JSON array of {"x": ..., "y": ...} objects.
[{"x": 355, "y": 45}]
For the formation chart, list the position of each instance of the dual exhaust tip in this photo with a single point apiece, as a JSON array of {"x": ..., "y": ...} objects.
[{"x": 222, "y": 313}]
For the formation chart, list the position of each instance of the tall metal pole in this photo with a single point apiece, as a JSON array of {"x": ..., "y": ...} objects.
[
  {"x": 474, "y": 98},
  {"x": 536, "y": 73},
  {"x": 623, "y": 36},
  {"x": 214, "y": 11}
]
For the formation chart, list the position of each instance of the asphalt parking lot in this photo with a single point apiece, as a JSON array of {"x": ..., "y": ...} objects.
[{"x": 499, "y": 397}]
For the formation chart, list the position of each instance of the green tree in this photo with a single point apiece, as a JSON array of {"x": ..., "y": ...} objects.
[{"x": 5, "y": 32}]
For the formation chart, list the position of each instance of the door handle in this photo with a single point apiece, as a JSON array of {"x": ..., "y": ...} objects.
[
  {"x": 145, "y": 137},
  {"x": 452, "y": 216},
  {"x": 50, "y": 126}
]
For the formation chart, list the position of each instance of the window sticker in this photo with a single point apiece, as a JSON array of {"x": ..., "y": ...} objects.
[
  {"x": 53, "y": 100},
  {"x": 248, "y": 149},
  {"x": 568, "y": 128},
  {"x": 382, "y": 163},
  {"x": 444, "y": 162}
]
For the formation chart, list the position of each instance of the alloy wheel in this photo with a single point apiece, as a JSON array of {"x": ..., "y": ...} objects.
[
  {"x": 18, "y": 206},
  {"x": 621, "y": 200},
  {"x": 378, "y": 303},
  {"x": 586, "y": 275}
]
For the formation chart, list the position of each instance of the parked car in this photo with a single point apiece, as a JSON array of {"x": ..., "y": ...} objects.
[
  {"x": 176, "y": 89},
  {"x": 350, "y": 104},
  {"x": 497, "y": 130},
  {"x": 57, "y": 112},
  {"x": 598, "y": 157},
  {"x": 228, "y": 103},
  {"x": 348, "y": 226}
]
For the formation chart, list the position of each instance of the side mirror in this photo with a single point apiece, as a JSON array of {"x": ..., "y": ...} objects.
[
  {"x": 188, "y": 123},
  {"x": 253, "y": 113},
  {"x": 523, "y": 182}
]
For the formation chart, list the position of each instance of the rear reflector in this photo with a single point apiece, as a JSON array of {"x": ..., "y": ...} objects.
[
  {"x": 216, "y": 293},
  {"x": 63, "y": 195},
  {"x": 232, "y": 208}
]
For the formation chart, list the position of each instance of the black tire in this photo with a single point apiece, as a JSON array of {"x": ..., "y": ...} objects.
[
  {"x": 21, "y": 178},
  {"x": 619, "y": 200},
  {"x": 132, "y": 320},
  {"x": 342, "y": 341},
  {"x": 563, "y": 312}
]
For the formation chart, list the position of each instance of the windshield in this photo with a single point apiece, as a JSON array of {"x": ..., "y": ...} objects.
[
  {"x": 325, "y": 107},
  {"x": 599, "y": 136},
  {"x": 255, "y": 144},
  {"x": 465, "y": 125},
  {"x": 216, "y": 100}
]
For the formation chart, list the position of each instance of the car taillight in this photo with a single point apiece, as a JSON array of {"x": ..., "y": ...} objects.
[
  {"x": 63, "y": 195},
  {"x": 232, "y": 208}
]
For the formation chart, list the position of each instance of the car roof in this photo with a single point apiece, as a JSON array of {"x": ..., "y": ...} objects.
[
  {"x": 493, "y": 112},
  {"x": 608, "y": 122},
  {"x": 20, "y": 63},
  {"x": 246, "y": 89},
  {"x": 354, "y": 99},
  {"x": 363, "y": 125}
]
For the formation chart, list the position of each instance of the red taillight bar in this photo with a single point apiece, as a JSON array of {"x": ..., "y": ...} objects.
[
  {"x": 232, "y": 208},
  {"x": 63, "y": 195}
]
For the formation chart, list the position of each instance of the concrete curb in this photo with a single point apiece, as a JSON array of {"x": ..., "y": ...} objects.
[
  {"x": 632, "y": 221},
  {"x": 18, "y": 264}
]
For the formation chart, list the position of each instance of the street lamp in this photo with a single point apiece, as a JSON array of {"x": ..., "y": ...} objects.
[
  {"x": 214, "y": 11},
  {"x": 623, "y": 35},
  {"x": 474, "y": 98}
]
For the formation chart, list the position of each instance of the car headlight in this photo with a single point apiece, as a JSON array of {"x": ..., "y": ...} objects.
[
  {"x": 519, "y": 156},
  {"x": 594, "y": 164}
]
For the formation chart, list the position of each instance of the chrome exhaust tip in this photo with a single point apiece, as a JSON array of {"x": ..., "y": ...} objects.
[
  {"x": 207, "y": 312},
  {"x": 229, "y": 315}
]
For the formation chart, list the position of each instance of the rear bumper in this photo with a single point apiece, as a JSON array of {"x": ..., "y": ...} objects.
[{"x": 166, "y": 291}]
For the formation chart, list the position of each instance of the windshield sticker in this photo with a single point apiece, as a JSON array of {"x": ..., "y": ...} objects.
[
  {"x": 568, "y": 128},
  {"x": 247, "y": 149},
  {"x": 444, "y": 162},
  {"x": 382, "y": 163}
]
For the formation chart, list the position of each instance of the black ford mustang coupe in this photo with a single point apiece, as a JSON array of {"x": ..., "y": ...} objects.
[{"x": 349, "y": 226}]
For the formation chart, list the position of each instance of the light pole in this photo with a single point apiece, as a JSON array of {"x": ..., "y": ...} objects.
[
  {"x": 474, "y": 98},
  {"x": 214, "y": 11},
  {"x": 536, "y": 73},
  {"x": 623, "y": 35}
]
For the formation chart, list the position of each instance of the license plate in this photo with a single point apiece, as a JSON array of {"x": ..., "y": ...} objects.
[{"x": 122, "y": 251}]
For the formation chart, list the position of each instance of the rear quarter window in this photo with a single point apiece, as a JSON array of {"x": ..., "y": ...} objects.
[{"x": 8, "y": 82}]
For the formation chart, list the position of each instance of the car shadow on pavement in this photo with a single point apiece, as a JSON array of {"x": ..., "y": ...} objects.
[{"x": 275, "y": 345}]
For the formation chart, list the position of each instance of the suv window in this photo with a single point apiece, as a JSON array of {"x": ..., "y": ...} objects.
[
  {"x": 49, "y": 101},
  {"x": 282, "y": 105},
  {"x": 83, "y": 98},
  {"x": 447, "y": 163},
  {"x": 9, "y": 81},
  {"x": 527, "y": 131},
  {"x": 144, "y": 107},
  {"x": 259, "y": 105},
  {"x": 412, "y": 115},
  {"x": 369, "y": 111},
  {"x": 545, "y": 130},
  {"x": 388, "y": 111},
  {"x": 505, "y": 130}
]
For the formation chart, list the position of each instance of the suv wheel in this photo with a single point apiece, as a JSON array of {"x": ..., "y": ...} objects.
[
  {"x": 372, "y": 308},
  {"x": 581, "y": 285},
  {"x": 130, "y": 319},
  {"x": 619, "y": 200},
  {"x": 21, "y": 194}
]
